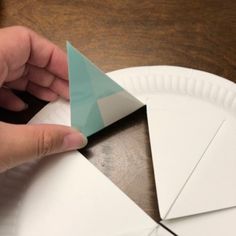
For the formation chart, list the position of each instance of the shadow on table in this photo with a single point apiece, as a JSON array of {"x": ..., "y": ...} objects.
[
  {"x": 122, "y": 152},
  {"x": 22, "y": 117},
  {"x": 113, "y": 129}
]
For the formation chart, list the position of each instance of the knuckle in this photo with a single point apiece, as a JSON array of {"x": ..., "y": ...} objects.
[
  {"x": 23, "y": 34},
  {"x": 22, "y": 31},
  {"x": 45, "y": 144},
  {"x": 21, "y": 28}
]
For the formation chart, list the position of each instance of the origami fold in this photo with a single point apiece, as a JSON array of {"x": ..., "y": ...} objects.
[{"x": 96, "y": 101}]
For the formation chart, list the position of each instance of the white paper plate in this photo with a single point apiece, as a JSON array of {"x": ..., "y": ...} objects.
[
  {"x": 196, "y": 92},
  {"x": 144, "y": 82}
]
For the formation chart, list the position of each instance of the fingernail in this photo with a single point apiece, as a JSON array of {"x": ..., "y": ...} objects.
[
  {"x": 22, "y": 106},
  {"x": 74, "y": 141},
  {"x": 26, "y": 106}
]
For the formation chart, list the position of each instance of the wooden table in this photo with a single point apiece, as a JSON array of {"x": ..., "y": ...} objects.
[{"x": 116, "y": 34}]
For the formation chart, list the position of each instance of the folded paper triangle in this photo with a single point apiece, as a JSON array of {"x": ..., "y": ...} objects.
[
  {"x": 176, "y": 157},
  {"x": 209, "y": 179},
  {"x": 96, "y": 100}
]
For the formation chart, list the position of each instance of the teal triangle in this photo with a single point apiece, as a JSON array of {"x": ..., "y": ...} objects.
[{"x": 88, "y": 84}]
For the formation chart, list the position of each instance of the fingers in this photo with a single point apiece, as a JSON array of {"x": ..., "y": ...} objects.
[
  {"x": 42, "y": 93},
  {"x": 21, "y": 143},
  {"x": 30, "y": 62},
  {"x": 36, "y": 79},
  {"x": 46, "y": 79},
  {"x": 14, "y": 52},
  {"x": 45, "y": 54},
  {"x": 10, "y": 101},
  {"x": 19, "y": 84},
  {"x": 61, "y": 87},
  {"x": 20, "y": 45}
]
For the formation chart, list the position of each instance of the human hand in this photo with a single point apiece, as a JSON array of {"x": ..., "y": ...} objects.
[{"x": 29, "y": 62}]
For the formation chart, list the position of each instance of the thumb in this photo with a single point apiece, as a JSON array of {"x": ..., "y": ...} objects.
[{"x": 21, "y": 143}]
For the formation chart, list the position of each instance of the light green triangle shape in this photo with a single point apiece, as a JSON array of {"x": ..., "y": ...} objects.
[{"x": 88, "y": 85}]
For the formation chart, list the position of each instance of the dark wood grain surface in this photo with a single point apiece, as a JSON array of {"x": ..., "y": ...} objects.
[{"x": 199, "y": 34}]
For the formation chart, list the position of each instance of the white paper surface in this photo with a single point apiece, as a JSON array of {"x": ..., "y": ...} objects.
[
  {"x": 215, "y": 177},
  {"x": 179, "y": 138},
  {"x": 117, "y": 106},
  {"x": 55, "y": 113},
  {"x": 176, "y": 129},
  {"x": 69, "y": 196},
  {"x": 217, "y": 223}
]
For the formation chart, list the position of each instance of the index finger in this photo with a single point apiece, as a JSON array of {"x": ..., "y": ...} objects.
[{"x": 45, "y": 54}]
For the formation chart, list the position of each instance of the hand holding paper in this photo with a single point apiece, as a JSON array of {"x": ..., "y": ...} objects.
[
  {"x": 22, "y": 143},
  {"x": 29, "y": 62}
]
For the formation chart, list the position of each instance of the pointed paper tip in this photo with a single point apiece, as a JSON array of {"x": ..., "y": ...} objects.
[
  {"x": 72, "y": 50},
  {"x": 69, "y": 46}
]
